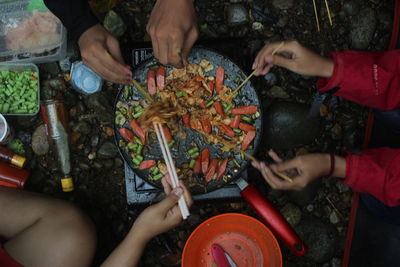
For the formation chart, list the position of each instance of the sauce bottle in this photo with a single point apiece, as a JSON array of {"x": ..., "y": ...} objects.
[
  {"x": 9, "y": 157},
  {"x": 12, "y": 176}
]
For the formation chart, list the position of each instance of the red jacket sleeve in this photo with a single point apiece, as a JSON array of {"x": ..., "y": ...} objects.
[
  {"x": 369, "y": 78},
  {"x": 375, "y": 172}
]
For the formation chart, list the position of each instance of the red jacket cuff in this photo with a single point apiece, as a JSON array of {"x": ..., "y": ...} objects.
[{"x": 325, "y": 84}]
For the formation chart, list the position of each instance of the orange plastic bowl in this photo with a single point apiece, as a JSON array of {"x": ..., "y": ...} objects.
[{"x": 249, "y": 242}]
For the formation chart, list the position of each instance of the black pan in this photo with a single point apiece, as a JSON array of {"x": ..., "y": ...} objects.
[{"x": 248, "y": 96}]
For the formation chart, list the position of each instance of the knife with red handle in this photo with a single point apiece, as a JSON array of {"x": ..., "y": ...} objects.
[
  {"x": 221, "y": 258},
  {"x": 271, "y": 217}
]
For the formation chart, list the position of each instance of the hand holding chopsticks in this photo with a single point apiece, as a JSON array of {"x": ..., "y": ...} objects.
[{"x": 170, "y": 167}]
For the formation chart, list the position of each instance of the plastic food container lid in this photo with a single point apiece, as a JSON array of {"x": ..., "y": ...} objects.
[
  {"x": 84, "y": 79},
  {"x": 29, "y": 32}
]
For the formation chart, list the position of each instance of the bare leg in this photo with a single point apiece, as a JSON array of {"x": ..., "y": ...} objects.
[{"x": 44, "y": 231}]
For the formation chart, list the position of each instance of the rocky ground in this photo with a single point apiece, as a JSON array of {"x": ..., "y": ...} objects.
[{"x": 319, "y": 213}]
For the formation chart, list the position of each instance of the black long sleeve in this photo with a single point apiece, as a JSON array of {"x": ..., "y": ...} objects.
[{"x": 74, "y": 14}]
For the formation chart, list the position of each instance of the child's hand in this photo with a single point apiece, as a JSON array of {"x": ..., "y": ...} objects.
[
  {"x": 295, "y": 57},
  {"x": 162, "y": 216},
  {"x": 306, "y": 168}
]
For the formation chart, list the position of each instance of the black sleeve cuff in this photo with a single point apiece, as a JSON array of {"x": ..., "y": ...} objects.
[{"x": 74, "y": 14}]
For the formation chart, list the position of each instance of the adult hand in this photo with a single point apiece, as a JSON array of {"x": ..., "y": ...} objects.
[
  {"x": 294, "y": 57},
  {"x": 302, "y": 169},
  {"x": 165, "y": 215},
  {"x": 173, "y": 30},
  {"x": 100, "y": 51}
]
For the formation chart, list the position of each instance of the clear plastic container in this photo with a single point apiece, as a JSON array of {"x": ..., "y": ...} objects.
[
  {"x": 84, "y": 79},
  {"x": 30, "y": 33},
  {"x": 20, "y": 67}
]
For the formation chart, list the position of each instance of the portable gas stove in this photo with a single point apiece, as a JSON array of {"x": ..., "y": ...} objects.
[{"x": 139, "y": 191}]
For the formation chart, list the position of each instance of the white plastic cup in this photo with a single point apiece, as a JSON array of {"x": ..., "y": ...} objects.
[{"x": 6, "y": 132}]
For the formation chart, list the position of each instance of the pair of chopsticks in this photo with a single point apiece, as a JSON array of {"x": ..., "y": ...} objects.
[
  {"x": 228, "y": 145},
  {"x": 251, "y": 75},
  {"x": 316, "y": 14},
  {"x": 171, "y": 167}
]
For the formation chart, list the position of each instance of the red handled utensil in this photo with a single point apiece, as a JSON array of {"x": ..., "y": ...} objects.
[{"x": 271, "y": 217}]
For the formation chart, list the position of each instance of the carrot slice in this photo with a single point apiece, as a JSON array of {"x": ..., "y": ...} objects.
[
  {"x": 219, "y": 109},
  {"x": 147, "y": 164},
  {"x": 246, "y": 127},
  {"x": 202, "y": 105},
  {"x": 161, "y": 78},
  {"x": 222, "y": 168},
  {"x": 128, "y": 135},
  {"x": 205, "y": 159},
  {"x": 138, "y": 130},
  {"x": 248, "y": 139},
  {"x": 244, "y": 110},
  {"x": 235, "y": 122},
  {"x": 151, "y": 82},
  {"x": 197, "y": 166},
  {"x": 219, "y": 79},
  {"x": 211, "y": 169}
]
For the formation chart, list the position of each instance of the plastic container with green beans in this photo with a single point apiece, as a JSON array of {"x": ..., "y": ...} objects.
[{"x": 19, "y": 89}]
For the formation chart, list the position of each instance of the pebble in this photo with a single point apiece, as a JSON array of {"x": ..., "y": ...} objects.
[
  {"x": 336, "y": 132},
  {"x": 237, "y": 15},
  {"x": 342, "y": 187},
  {"x": 84, "y": 166},
  {"x": 277, "y": 92},
  {"x": 94, "y": 140},
  {"x": 40, "y": 144},
  {"x": 97, "y": 165},
  {"x": 362, "y": 28},
  {"x": 92, "y": 155},
  {"x": 282, "y": 4},
  {"x": 118, "y": 162},
  {"x": 291, "y": 213},
  {"x": 336, "y": 262},
  {"x": 350, "y": 8},
  {"x": 271, "y": 79},
  {"x": 108, "y": 130},
  {"x": 333, "y": 217},
  {"x": 107, "y": 150},
  {"x": 310, "y": 208},
  {"x": 257, "y": 26},
  {"x": 82, "y": 127}
]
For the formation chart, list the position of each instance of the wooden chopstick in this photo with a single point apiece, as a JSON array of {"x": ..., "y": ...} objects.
[
  {"x": 228, "y": 145},
  {"x": 251, "y": 75},
  {"x": 316, "y": 15},
  {"x": 171, "y": 167},
  {"x": 329, "y": 12},
  {"x": 141, "y": 89}
]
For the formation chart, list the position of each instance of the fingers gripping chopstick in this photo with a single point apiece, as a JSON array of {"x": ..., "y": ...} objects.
[
  {"x": 251, "y": 75},
  {"x": 170, "y": 167}
]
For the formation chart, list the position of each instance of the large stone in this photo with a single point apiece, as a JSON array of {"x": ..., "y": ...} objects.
[
  {"x": 40, "y": 145},
  {"x": 114, "y": 24},
  {"x": 108, "y": 150},
  {"x": 321, "y": 238},
  {"x": 288, "y": 125},
  {"x": 291, "y": 213},
  {"x": 237, "y": 15},
  {"x": 362, "y": 28},
  {"x": 282, "y": 4}
]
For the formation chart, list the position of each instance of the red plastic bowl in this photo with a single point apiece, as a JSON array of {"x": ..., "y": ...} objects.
[{"x": 249, "y": 242}]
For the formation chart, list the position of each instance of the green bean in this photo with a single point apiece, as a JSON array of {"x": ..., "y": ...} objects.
[
  {"x": 158, "y": 176},
  {"x": 247, "y": 119},
  {"x": 180, "y": 94},
  {"x": 210, "y": 103},
  {"x": 136, "y": 161},
  {"x": 238, "y": 131},
  {"x": 193, "y": 150},
  {"x": 171, "y": 143},
  {"x": 191, "y": 164},
  {"x": 137, "y": 115},
  {"x": 139, "y": 149},
  {"x": 155, "y": 171},
  {"x": 137, "y": 140},
  {"x": 195, "y": 155},
  {"x": 139, "y": 157}
]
